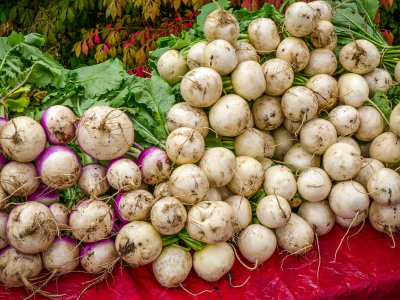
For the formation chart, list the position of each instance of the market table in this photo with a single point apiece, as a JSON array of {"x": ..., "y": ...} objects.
[{"x": 369, "y": 270}]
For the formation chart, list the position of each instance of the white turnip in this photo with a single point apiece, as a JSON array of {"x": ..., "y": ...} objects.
[
  {"x": 386, "y": 148},
  {"x": 350, "y": 141},
  {"x": 345, "y": 118},
  {"x": 248, "y": 80},
  {"x": 324, "y": 10},
  {"x": 298, "y": 159},
  {"x": 273, "y": 211},
  {"x": 300, "y": 19},
  {"x": 61, "y": 215},
  {"x": 368, "y": 168},
  {"x": 264, "y": 35},
  {"x": 324, "y": 36},
  {"x": 352, "y": 222},
  {"x": 168, "y": 216},
  {"x": 360, "y": 57},
  {"x": 124, "y": 175},
  {"x": 220, "y": 56},
  {"x": 378, "y": 80},
  {"x": 371, "y": 123},
  {"x": 3, "y": 224},
  {"x": 213, "y": 194},
  {"x": 134, "y": 206},
  {"x": 242, "y": 213},
  {"x": 317, "y": 136},
  {"x": 255, "y": 143},
  {"x": 19, "y": 179},
  {"x": 93, "y": 180},
  {"x": 185, "y": 146},
  {"x": 314, "y": 184},
  {"x": 353, "y": 90},
  {"x": 295, "y": 52},
  {"x": 221, "y": 24},
  {"x": 97, "y": 257},
  {"x": 299, "y": 104},
  {"x": 154, "y": 164},
  {"x": 45, "y": 195},
  {"x": 318, "y": 215},
  {"x": 245, "y": 52},
  {"x": 384, "y": 187},
  {"x": 279, "y": 180},
  {"x": 322, "y": 61},
  {"x": 326, "y": 88},
  {"x": 62, "y": 256},
  {"x": 172, "y": 66},
  {"x": 385, "y": 218},
  {"x": 284, "y": 140},
  {"x": 195, "y": 56},
  {"x": 279, "y": 76},
  {"x": 267, "y": 112}
]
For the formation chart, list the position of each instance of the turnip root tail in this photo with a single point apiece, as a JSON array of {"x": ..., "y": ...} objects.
[
  {"x": 319, "y": 255},
  {"x": 192, "y": 293},
  {"x": 244, "y": 265},
  {"x": 391, "y": 235},
  {"x": 362, "y": 226},
  {"x": 348, "y": 229},
  {"x": 237, "y": 286},
  {"x": 37, "y": 290}
]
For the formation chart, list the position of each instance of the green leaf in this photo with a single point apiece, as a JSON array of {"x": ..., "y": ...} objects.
[
  {"x": 3, "y": 17},
  {"x": 382, "y": 102},
  {"x": 4, "y": 47},
  {"x": 209, "y": 8},
  {"x": 42, "y": 74},
  {"x": 35, "y": 39},
  {"x": 18, "y": 100},
  {"x": 15, "y": 38},
  {"x": 71, "y": 15},
  {"x": 369, "y": 7}
]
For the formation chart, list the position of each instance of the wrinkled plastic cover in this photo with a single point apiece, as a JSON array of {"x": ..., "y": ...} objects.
[{"x": 369, "y": 270}]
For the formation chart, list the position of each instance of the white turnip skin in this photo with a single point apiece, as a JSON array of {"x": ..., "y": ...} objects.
[
  {"x": 168, "y": 216},
  {"x": 350, "y": 141},
  {"x": 3, "y": 122},
  {"x": 295, "y": 52},
  {"x": 273, "y": 211},
  {"x": 97, "y": 257},
  {"x": 322, "y": 61},
  {"x": 262, "y": 144},
  {"x": 185, "y": 146},
  {"x": 221, "y": 24},
  {"x": 248, "y": 80},
  {"x": 372, "y": 123},
  {"x": 225, "y": 192},
  {"x": 300, "y": 19},
  {"x": 172, "y": 267},
  {"x": 195, "y": 56},
  {"x": 31, "y": 227},
  {"x": 314, "y": 184},
  {"x": 278, "y": 76},
  {"x": 184, "y": 115},
  {"x": 257, "y": 243},
  {"x": 154, "y": 164},
  {"x": 172, "y": 66},
  {"x": 93, "y": 180},
  {"x": 324, "y": 35},
  {"x": 318, "y": 215},
  {"x": 284, "y": 140},
  {"x": 326, "y": 88},
  {"x": 245, "y": 52},
  {"x": 353, "y": 90},
  {"x": 345, "y": 118},
  {"x": 58, "y": 122},
  {"x": 264, "y": 35},
  {"x": 265, "y": 162},
  {"x": 211, "y": 222},
  {"x": 353, "y": 222},
  {"x": 293, "y": 127},
  {"x": 134, "y": 206},
  {"x": 45, "y": 195},
  {"x": 62, "y": 256},
  {"x": 4, "y": 199},
  {"x": 213, "y": 195},
  {"x": 384, "y": 187},
  {"x": 317, "y": 136},
  {"x": 3, "y": 224},
  {"x": 19, "y": 179},
  {"x": 61, "y": 215},
  {"x": 23, "y": 139},
  {"x": 267, "y": 112},
  {"x": 378, "y": 80},
  {"x": 369, "y": 167},
  {"x": 395, "y": 119},
  {"x": 138, "y": 243},
  {"x": 213, "y": 261},
  {"x": 201, "y": 87},
  {"x": 189, "y": 184},
  {"x": 242, "y": 213},
  {"x": 279, "y": 180},
  {"x": 220, "y": 56},
  {"x": 91, "y": 221},
  {"x": 385, "y": 218},
  {"x": 105, "y": 133},
  {"x": 248, "y": 177},
  {"x": 360, "y": 57},
  {"x": 124, "y": 175},
  {"x": 299, "y": 104},
  {"x": 296, "y": 236},
  {"x": 324, "y": 9},
  {"x": 162, "y": 190},
  {"x": 298, "y": 159},
  {"x": 386, "y": 148},
  {"x": 230, "y": 116}
]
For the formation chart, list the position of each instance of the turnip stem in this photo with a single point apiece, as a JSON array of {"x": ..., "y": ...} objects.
[{"x": 138, "y": 146}]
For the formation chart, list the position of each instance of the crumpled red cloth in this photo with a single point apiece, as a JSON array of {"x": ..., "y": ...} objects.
[{"x": 369, "y": 270}]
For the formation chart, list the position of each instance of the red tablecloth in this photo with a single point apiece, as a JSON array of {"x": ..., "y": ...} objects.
[{"x": 369, "y": 270}]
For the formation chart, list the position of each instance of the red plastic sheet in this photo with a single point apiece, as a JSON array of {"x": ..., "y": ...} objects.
[{"x": 369, "y": 270}]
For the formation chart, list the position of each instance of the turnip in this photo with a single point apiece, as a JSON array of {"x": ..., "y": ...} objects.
[
  {"x": 124, "y": 175},
  {"x": 395, "y": 119},
  {"x": 264, "y": 35},
  {"x": 62, "y": 256},
  {"x": 324, "y": 36},
  {"x": 248, "y": 80},
  {"x": 284, "y": 140},
  {"x": 257, "y": 243},
  {"x": 97, "y": 257},
  {"x": 213, "y": 194},
  {"x": 384, "y": 187},
  {"x": 225, "y": 192},
  {"x": 172, "y": 66},
  {"x": 91, "y": 220},
  {"x": 314, "y": 184},
  {"x": 292, "y": 127},
  {"x": 189, "y": 184},
  {"x": 184, "y": 115},
  {"x": 267, "y": 112},
  {"x": 3, "y": 161},
  {"x": 242, "y": 213},
  {"x": 220, "y": 56},
  {"x": 31, "y": 227},
  {"x": 230, "y": 115},
  {"x": 201, "y": 87},
  {"x": 213, "y": 261},
  {"x": 254, "y": 143},
  {"x": 345, "y": 118},
  {"x": 352, "y": 222},
  {"x": 245, "y": 52},
  {"x": 172, "y": 267},
  {"x": 265, "y": 162},
  {"x": 318, "y": 215},
  {"x": 386, "y": 148},
  {"x": 168, "y": 216},
  {"x": 273, "y": 211},
  {"x": 45, "y": 195},
  {"x": 353, "y": 90},
  {"x": 59, "y": 167},
  {"x": 298, "y": 159},
  {"x": 371, "y": 124},
  {"x": 138, "y": 243},
  {"x": 4, "y": 199},
  {"x": 248, "y": 176},
  {"x": 3, "y": 122},
  {"x": 279, "y": 180},
  {"x": 195, "y": 56},
  {"x": 279, "y": 76},
  {"x": 296, "y": 236},
  {"x": 105, "y": 133},
  {"x": 317, "y": 136},
  {"x": 23, "y": 139},
  {"x": 19, "y": 179},
  {"x": 221, "y": 24},
  {"x": 326, "y": 88},
  {"x": 385, "y": 218},
  {"x": 350, "y": 141},
  {"x": 300, "y": 19},
  {"x": 211, "y": 222},
  {"x": 360, "y": 57},
  {"x": 162, "y": 190},
  {"x": 3, "y": 224},
  {"x": 294, "y": 51},
  {"x": 324, "y": 9},
  {"x": 368, "y": 168},
  {"x": 61, "y": 215},
  {"x": 299, "y": 104},
  {"x": 59, "y": 125},
  {"x": 378, "y": 80},
  {"x": 185, "y": 146},
  {"x": 93, "y": 180},
  {"x": 322, "y": 61},
  {"x": 154, "y": 164}
]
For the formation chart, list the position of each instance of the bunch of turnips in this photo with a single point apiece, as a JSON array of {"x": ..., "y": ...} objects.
[{"x": 298, "y": 143}]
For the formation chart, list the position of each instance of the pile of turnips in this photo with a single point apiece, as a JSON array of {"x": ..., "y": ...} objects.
[{"x": 296, "y": 169}]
